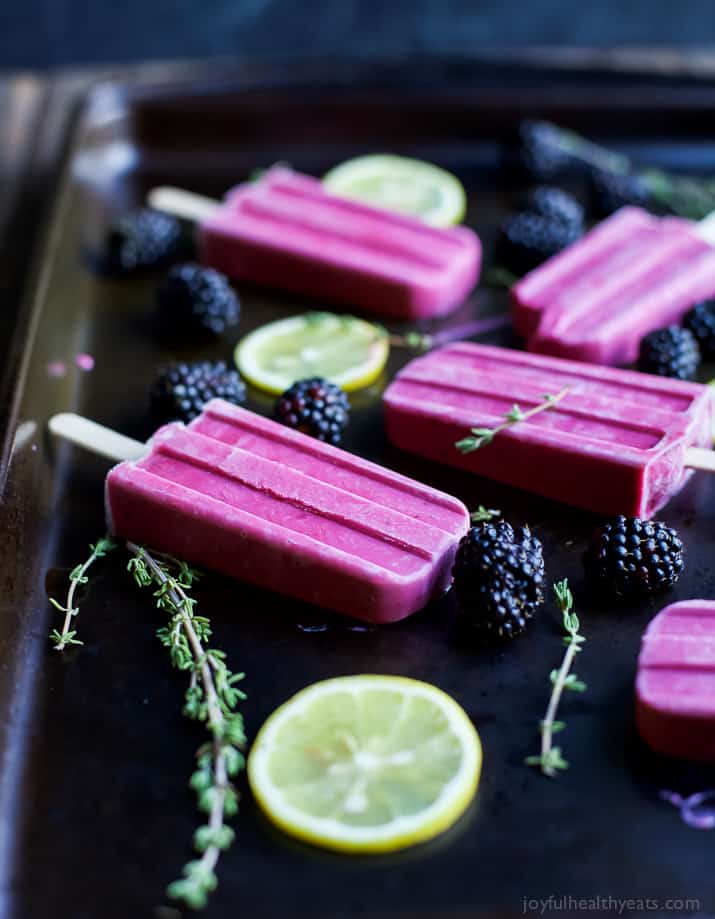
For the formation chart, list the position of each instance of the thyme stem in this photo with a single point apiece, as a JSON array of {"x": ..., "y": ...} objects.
[
  {"x": 77, "y": 577},
  {"x": 480, "y": 437},
  {"x": 211, "y": 697},
  {"x": 550, "y": 760}
]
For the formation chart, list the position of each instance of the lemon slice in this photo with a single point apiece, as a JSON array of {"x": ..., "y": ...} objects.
[
  {"x": 400, "y": 184},
  {"x": 343, "y": 349},
  {"x": 366, "y": 763}
]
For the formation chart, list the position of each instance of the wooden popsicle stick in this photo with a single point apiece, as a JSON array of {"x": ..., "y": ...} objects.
[
  {"x": 179, "y": 203},
  {"x": 705, "y": 229},
  {"x": 700, "y": 458},
  {"x": 95, "y": 437}
]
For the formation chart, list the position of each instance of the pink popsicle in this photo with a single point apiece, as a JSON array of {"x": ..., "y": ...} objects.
[
  {"x": 597, "y": 299},
  {"x": 675, "y": 686},
  {"x": 241, "y": 494},
  {"x": 285, "y": 231},
  {"x": 615, "y": 443}
]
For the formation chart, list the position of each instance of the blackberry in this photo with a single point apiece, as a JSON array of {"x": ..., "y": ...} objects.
[
  {"x": 554, "y": 203},
  {"x": 143, "y": 239},
  {"x": 701, "y": 322},
  {"x": 315, "y": 407},
  {"x": 499, "y": 579},
  {"x": 541, "y": 152},
  {"x": 181, "y": 391},
  {"x": 609, "y": 191},
  {"x": 194, "y": 300},
  {"x": 670, "y": 352},
  {"x": 527, "y": 239},
  {"x": 630, "y": 557}
]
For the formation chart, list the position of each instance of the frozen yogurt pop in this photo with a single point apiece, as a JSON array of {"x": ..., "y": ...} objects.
[
  {"x": 241, "y": 494},
  {"x": 286, "y": 231},
  {"x": 675, "y": 686},
  {"x": 608, "y": 440},
  {"x": 631, "y": 274}
]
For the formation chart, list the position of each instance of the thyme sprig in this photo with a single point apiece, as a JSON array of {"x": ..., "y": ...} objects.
[
  {"x": 211, "y": 697},
  {"x": 550, "y": 759},
  {"x": 66, "y": 636},
  {"x": 484, "y": 514},
  {"x": 481, "y": 437}
]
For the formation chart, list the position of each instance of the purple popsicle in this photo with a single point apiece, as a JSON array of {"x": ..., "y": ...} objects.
[
  {"x": 675, "y": 686},
  {"x": 631, "y": 274},
  {"x": 617, "y": 441},
  {"x": 241, "y": 494}
]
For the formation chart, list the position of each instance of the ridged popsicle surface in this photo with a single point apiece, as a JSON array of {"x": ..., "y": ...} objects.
[
  {"x": 241, "y": 494},
  {"x": 615, "y": 442},
  {"x": 286, "y": 231},
  {"x": 675, "y": 686},
  {"x": 597, "y": 299}
]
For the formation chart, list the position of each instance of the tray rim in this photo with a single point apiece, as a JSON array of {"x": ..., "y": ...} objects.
[{"x": 80, "y": 120}]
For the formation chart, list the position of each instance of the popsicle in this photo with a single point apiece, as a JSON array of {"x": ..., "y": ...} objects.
[
  {"x": 675, "y": 686},
  {"x": 286, "y": 231},
  {"x": 241, "y": 494},
  {"x": 616, "y": 441},
  {"x": 629, "y": 275}
]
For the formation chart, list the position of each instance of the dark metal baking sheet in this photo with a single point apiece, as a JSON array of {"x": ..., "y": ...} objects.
[{"x": 97, "y": 816}]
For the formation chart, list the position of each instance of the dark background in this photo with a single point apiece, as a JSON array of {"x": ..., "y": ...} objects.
[{"x": 53, "y": 33}]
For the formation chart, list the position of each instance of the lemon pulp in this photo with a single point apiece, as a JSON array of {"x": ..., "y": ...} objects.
[
  {"x": 366, "y": 763},
  {"x": 402, "y": 184},
  {"x": 343, "y": 349}
]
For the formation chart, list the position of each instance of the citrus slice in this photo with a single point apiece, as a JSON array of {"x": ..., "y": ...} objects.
[
  {"x": 366, "y": 763},
  {"x": 400, "y": 184},
  {"x": 343, "y": 349}
]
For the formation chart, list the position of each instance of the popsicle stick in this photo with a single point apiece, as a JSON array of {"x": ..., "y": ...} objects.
[
  {"x": 95, "y": 437},
  {"x": 180, "y": 203},
  {"x": 706, "y": 229},
  {"x": 700, "y": 458}
]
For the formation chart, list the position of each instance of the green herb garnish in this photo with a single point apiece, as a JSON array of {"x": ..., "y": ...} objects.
[
  {"x": 481, "y": 437},
  {"x": 61, "y": 639},
  {"x": 550, "y": 760},
  {"x": 211, "y": 697},
  {"x": 484, "y": 514}
]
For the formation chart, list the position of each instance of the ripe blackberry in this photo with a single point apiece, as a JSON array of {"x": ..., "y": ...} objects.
[
  {"x": 315, "y": 407},
  {"x": 527, "y": 239},
  {"x": 143, "y": 239},
  {"x": 194, "y": 300},
  {"x": 554, "y": 203},
  {"x": 181, "y": 391},
  {"x": 701, "y": 322},
  {"x": 541, "y": 152},
  {"x": 630, "y": 557},
  {"x": 499, "y": 579},
  {"x": 670, "y": 352},
  {"x": 609, "y": 191}
]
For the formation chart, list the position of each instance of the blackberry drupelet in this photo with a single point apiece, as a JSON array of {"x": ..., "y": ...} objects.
[
  {"x": 701, "y": 322},
  {"x": 316, "y": 407},
  {"x": 554, "y": 203},
  {"x": 194, "y": 300},
  {"x": 670, "y": 352},
  {"x": 182, "y": 390},
  {"x": 499, "y": 579},
  {"x": 540, "y": 152},
  {"x": 630, "y": 557},
  {"x": 143, "y": 239},
  {"x": 527, "y": 239},
  {"x": 609, "y": 191}
]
